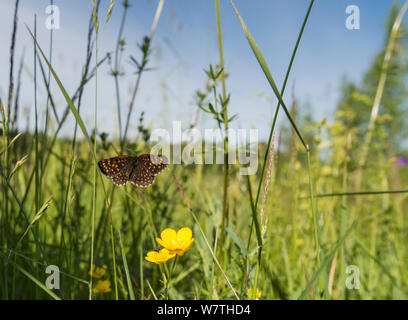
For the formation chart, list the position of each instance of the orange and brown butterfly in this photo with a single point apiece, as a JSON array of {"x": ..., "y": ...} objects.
[{"x": 139, "y": 170}]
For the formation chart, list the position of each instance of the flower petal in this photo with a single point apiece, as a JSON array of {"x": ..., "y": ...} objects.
[
  {"x": 177, "y": 251},
  {"x": 184, "y": 235},
  {"x": 159, "y": 257},
  {"x": 161, "y": 242},
  {"x": 151, "y": 257},
  {"x": 188, "y": 244},
  {"x": 168, "y": 235},
  {"x": 167, "y": 253}
]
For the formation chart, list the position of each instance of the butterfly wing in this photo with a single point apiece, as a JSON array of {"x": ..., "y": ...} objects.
[
  {"x": 154, "y": 163},
  {"x": 122, "y": 177},
  {"x": 140, "y": 170},
  {"x": 112, "y": 166},
  {"x": 141, "y": 176}
]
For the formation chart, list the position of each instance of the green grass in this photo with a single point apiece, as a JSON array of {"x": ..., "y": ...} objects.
[{"x": 57, "y": 208}]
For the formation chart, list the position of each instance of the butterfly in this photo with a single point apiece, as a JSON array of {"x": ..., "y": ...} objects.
[{"x": 139, "y": 170}]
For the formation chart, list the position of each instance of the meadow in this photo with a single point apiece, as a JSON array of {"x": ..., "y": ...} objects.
[{"x": 324, "y": 216}]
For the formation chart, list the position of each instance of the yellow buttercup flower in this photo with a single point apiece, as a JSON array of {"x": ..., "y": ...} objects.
[
  {"x": 102, "y": 286},
  {"x": 176, "y": 242},
  {"x": 159, "y": 256},
  {"x": 99, "y": 272},
  {"x": 250, "y": 292}
]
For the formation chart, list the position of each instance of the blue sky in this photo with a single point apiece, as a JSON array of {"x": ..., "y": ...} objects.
[{"x": 185, "y": 43}]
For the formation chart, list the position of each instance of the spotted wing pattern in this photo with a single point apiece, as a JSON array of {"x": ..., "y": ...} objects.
[
  {"x": 140, "y": 170},
  {"x": 141, "y": 175},
  {"x": 112, "y": 166},
  {"x": 154, "y": 163},
  {"x": 123, "y": 176}
]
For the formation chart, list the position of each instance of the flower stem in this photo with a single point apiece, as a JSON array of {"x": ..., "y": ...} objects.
[{"x": 225, "y": 116}]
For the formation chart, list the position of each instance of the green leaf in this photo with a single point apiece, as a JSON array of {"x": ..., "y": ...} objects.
[
  {"x": 261, "y": 60},
  {"x": 125, "y": 264},
  {"x": 66, "y": 96},
  {"x": 35, "y": 280},
  {"x": 233, "y": 117},
  {"x": 238, "y": 241},
  {"x": 327, "y": 260}
]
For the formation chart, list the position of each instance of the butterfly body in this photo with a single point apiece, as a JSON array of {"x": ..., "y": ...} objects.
[{"x": 139, "y": 170}]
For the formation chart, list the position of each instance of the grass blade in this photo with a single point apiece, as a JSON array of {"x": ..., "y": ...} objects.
[
  {"x": 128, "y": 279},
  {"x": 36, "y": 281},
  {"x": 259, "y": 56},
  {"x": 66, "y": 96},
  {"x": 327, "y": 260}
]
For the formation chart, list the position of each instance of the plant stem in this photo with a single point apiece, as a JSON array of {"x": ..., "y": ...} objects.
[
  {"x": 141, "y": 70},
  {"x": 380, "y": 91},
  {"x": 116, "y": 72},
  {"x": 344, "y": 218},
  {"x": 12, "y": 49},
  {"x": 276, "y": 116},
  {"x": 205, "y": 238},
  {"x": 225, "y": 115}
]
